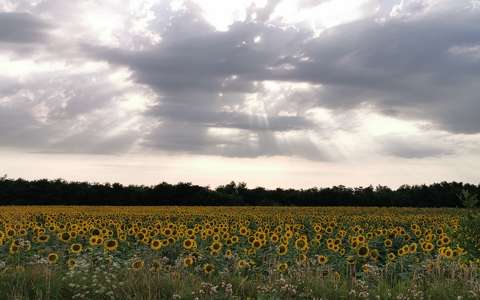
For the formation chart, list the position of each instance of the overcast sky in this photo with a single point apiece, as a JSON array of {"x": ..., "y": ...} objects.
[{"x": 292, "y": 93}]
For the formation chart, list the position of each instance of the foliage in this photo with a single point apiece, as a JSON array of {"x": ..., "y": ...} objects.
[
  {"x": 470, "y": 232},
  {"x": 61, "y": 192},
  {"x": 469, "y": 200}
]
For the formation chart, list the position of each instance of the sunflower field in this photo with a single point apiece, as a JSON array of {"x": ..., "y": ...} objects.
[{"x": 72, "y": 252}]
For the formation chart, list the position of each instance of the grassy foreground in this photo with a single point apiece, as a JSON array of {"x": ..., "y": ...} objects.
[{"x": 435, "y": 280}]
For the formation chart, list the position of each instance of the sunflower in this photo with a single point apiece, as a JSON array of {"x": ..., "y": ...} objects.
[
  {"x": 302, "y": 259},
  {"x": 216, "y": 246},
  {"x": 71, "y": 263},
  {"x": 64, "y": 236},
  {"x": 391, "y": 256},
  {"x": 445, "y": 240},
  {"x": 167, "y": 232},
  {"x": 100, "y": 240},
  {"x": 257, "y": 244},
  {"x": 11, "y": 232},
  {"x": 427, "y": 247},
  {"x": 282, "y": 267},
  {"x": 448, "y": 253},
  {"x": 361, "y": 239},
  {"x": 365, "y": 268},
  {"x": 137, "y": 264},
  {"x": 140, "y": 236},
  {"x": 322, "y": 259},
  {"x": 43, "y": 238},
  {"x": 288, "y": 234},
  {"x": 404, "y": 250},
  {"x": 208, "y": 268},
  {"x": 13, "y": 249},
  {"x": 412, "y": 248},
  {"x": 274, "y": 238},
  {"x": 75, "y": 248},
  {"x": 188, "y": 261},
  {"x": 363, "y": 251},
  {"x": 52, "y": 258},
  {"x": 374, "y": 254},
  {"x": 228, "y": 254},
  {"x": 110, "y": 245},
  {"x": 93, "y": 240},
  {"x": 242, "y": 264},
  {"x": 243, "y": 230},
  {"x": 388, "y": 243},
  {"x": 301, "y": 244},
  {"x": 282, "y": 249},
  {"x": 156, "y": 245}
]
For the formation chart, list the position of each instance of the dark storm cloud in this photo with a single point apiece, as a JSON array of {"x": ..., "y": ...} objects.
[
  {"x": 414, "y": 147},
  {"x": 22, "y": 28},
  {"x": 203, "y": 59},
  {"x": 18, "y": 128},
  {"x": 193, "y": 64},
  {"x": 183, "y": 137},
  {"x": 222, "y": 119},
  {"x": 400, "y": 66},
  {"x": 403, "y": 67}
]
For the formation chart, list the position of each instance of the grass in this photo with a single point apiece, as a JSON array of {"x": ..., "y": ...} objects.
[{"x": 48, "y": 282}]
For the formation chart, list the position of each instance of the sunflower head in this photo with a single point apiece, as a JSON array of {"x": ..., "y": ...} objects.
[
  {"x": 188, "y": 261},
  {"x": 363, "y": 251},
  {"x": 71, "y": 263},
  {"x": 110, "y": 245},
  {"x": 322, "y": 259},
  {"x": 156, "y": 245},
  {"x": 282, "y": 249},
  {"x": 75, "y": 248},
  {"x": 137, "y": 264},
  {"x": 282, "y": 267},
  {"x": 208, "y": 268},
  {"x": 52, "y": 258}
]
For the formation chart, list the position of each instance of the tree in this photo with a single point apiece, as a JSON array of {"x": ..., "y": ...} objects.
[{"x": 469, "y": 200}]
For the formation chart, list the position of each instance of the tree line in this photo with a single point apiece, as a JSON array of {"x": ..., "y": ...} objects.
[{"x": 60, "y": 192}]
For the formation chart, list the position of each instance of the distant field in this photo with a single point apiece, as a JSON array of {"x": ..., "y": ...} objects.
[{"x": 236, "y": 252}]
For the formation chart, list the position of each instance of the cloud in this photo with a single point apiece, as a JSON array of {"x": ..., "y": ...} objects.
[
  {"x": 246, "y": 90},
  {"x": 416, "y": 147},
  {"x": 22, "y": 33},
  {"x": 402, "y": 66},
  {"x": 21, "y": 28},
  {"x": 175, "y": 137},
  {"x": 204, "y": 78},
  {"x": 72, "y": 110},
  {"x": 225, "y": 119}
]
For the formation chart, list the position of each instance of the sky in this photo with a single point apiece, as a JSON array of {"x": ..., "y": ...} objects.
[{"x": 291, "y": 93}]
